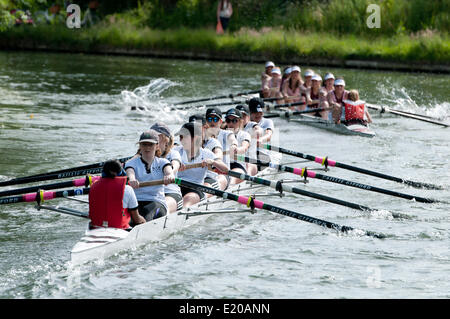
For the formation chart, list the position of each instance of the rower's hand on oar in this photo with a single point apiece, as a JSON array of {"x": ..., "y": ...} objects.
[
  {"x": 207, "y": 162},
  {"x": 182, "y": 167},
  {"x": 169, "y": 179},
  {"x": 133, "y": 183}
]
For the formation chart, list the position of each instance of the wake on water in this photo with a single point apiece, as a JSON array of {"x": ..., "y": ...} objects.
[
  {"x": 398, "y": 98},
  {"x": 146, "y": 100}
]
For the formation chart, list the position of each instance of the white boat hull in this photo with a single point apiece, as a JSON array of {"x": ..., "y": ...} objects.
[{"x": 102, "y": 243}]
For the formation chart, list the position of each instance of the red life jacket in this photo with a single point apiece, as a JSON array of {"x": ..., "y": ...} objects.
[
  {"x": 106, "y": 203},
  {"x": 354, "y": 110}
]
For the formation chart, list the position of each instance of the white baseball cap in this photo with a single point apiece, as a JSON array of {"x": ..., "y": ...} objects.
[
  {"x": 296, "y": 68},
  {"x": 288, "y": 71},
  {"x": 328, "y": 76},
  {"x": 317, "y": 77},
  {"x": 339, "y": 82},
  {"x": 269, "y": 64},
  {"x": 309, "y": 73},
  {"x": 276, "y": 70}
]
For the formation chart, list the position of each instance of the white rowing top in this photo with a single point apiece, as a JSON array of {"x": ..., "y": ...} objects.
[{"x": 194, "y": 175}]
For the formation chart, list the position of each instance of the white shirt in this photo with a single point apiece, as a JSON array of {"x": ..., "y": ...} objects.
[
  {"x": 266, "y": 124},
  {"x": 211, "y": 144},
  {"x": 194, "y": 175},
  {"x": 173, "y": 188},
  {"x": 149, "y": 193},
  {"x": 223, "y": 138},
  {"x": 129, "y": 198}
]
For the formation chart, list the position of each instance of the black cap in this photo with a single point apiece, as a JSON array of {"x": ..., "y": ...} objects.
[
  {"x": 192, "y": 128},
  {"x": 233, "y": 112},
  {"x": 256, "y": 105},
  {"x": 243, "y": 109},
  {"x": 150, "y": 136},
  {"x": 197, "y": 118},
  {"x": 214, "y": 111},
  {"x": 161, "y": 128}
]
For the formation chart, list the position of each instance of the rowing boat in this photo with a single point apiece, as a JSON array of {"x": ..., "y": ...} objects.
[
  {"x": 354, "y": 129},
  {"x": 101, "y": 243}
]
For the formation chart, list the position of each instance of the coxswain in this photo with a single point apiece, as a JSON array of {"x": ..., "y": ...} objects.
[
  {"x": 112, "y": 203},
  {"x": 266, "y": 76},
  {"x": 172, "y": 192},
  {"x": 233, "y": 118},
  {"x": 192, "y": 152},
  {"x": 335, "y": 100},
  {"x": 355, "y": 110},
  {"x": 148, "y": 167}
]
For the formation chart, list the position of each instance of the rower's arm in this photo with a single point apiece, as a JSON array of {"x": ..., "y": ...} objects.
[
  {"x": 132, "y": 178},
  {"x": 267, "y": 136}
]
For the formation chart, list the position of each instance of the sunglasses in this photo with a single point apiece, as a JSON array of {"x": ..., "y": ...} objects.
[
  {"x": 231, "y": 120},
  {"x": 213, "y": 119}
]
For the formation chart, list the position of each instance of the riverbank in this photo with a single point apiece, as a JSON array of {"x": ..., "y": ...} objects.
[{"x": 423, "y": 52}]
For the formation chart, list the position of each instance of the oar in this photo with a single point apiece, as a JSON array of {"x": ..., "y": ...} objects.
[
  {"x": 288, "y": 114},
  {"x": 307, "y": 173},
  {"x": 327, "y": 162},
  {"x": 40, "y": 196},
  {"x": 218, "y": 97},
  {"x": 289, "y": 104},
  {"x": 88, "y": 180},
  {"x": 253, "y": 203},
  {"x": 94, "y": 168},
  {"x": 219, "y": 104},
  {"x": 411, "y": 116}
]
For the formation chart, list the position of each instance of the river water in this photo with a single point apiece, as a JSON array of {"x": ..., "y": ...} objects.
[{"x": 64, "y": 110}]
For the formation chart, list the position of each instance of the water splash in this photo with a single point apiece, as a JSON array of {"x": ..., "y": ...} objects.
[
  {"x": 146, "y": 100},
  {"x": 399, "y": 98}
]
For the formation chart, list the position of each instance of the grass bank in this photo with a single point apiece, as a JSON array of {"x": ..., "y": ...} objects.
[{"x": 425, "y": 48}]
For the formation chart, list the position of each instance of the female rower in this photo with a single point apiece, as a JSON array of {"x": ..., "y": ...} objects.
[
  {"x": 212, "y": 179},
  {"x": 275, "y": 84},
  {"x": 291, "y": 88},
  {"x": 308, "y": 78},
  {"x": 265, "y": 79},
  {"x": 147, "y": 167},
  {"x": 191, "y": 152},
  {"x": 172, "y": 193},
  {"x": 234, "y": 122},
  {"x": 328, "y": 82},
  {"x": 355, "y": 110},
  {"x": 335, "y": 100},
  {"x": 285, "y": 77}
]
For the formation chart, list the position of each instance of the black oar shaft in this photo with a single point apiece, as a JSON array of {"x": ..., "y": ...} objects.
[
  {"x": 218, "y": 97},
  {"x": 350, "y": 167},
  {"x": 274, "y": 209},
  {"x": 46, "y": 195},
  {"x": 299, "y": 191}
]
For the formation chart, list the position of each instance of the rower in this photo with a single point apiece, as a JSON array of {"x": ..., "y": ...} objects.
[
  {"x": 233, "y": 118},
  {"x": 148, "y": 167},
  {"x": 191, "y": 152},
  {"x": 292, "y": 88},
  {"x": 256, "y": 107},
  {"x": 308, "y": 79},
  {"x": 316, "y": 97},
  {"x": 172, "y": 192},
  {"x": 112, "y": 203},
  {"x": 355, "y": 110},
  {"x": 335, "y": 100},
  {"x": 328, "y": 82},
  {"x": 275, "y": 85},
  {"x": 226, "y": 138},
  {"x": 265, "y": 79},
  {"x": 212, "y": 179}
]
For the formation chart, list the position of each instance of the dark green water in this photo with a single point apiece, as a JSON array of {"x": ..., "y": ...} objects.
[{"x": 59, "y": 111}]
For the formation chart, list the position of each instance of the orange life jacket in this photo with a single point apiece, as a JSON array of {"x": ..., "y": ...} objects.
[
  {"x": 106, "y": 203},
  {"x": 354, "y": 110}
]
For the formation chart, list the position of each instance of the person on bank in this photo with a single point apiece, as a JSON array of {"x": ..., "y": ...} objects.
[
  {"x": 112, "y": 203},
  {"x": 148, "y": 167},
  {"x": 224, "y": 13}
]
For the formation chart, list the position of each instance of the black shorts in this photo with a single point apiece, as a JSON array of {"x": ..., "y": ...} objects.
[
  {"x": 178, "y": 198},
  {"x": 238, "y": 165},
  {"x": 185, "y": 190},
  {"x": 151, "y": 210}
]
